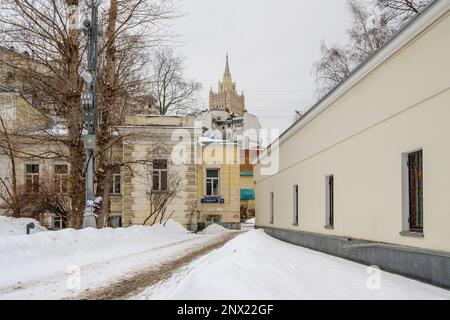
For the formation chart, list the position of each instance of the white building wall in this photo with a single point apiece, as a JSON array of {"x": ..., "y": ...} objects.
[{"x": 360, "y": 138}]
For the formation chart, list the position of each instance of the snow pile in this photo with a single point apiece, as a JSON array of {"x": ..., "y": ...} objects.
[
  {"x": 256, "y": 266},
  {"x": 18, "y": 226},
  {"x": 28, "y": 256},
  {"x": 214, "y": 229},
  {"x": 248, "y": 224}
]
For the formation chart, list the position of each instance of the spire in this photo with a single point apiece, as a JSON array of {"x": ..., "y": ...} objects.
[{"x": 227, "y": 67}]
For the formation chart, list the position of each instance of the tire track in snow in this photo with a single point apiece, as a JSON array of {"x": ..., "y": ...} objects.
[{"x": 138, "y": 282}]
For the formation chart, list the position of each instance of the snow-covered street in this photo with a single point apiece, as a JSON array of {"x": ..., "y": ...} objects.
[
  {"x": 256, "y": 266},
  {"x": 68, "y": 263},
  {"x": 168, "y": 262}
]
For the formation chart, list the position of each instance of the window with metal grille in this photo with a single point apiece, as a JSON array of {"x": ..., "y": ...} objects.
[
  {"x": 212, "y": 182},
  {"x": 61, "y": 177},
  {"x": 159, "y": 175},
  {"x": 272, "y": 208},
  {"x": 32, "y": 178},
  {"x": 295, "y": 192},
  {"x": 330, "y": 201},
  {"x": 415, "y": 179}
]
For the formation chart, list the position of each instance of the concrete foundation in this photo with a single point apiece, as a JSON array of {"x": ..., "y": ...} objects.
[{"x": 424, "y": 265}]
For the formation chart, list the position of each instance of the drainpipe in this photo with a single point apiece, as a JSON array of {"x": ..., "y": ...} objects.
[{"x": 29, "y": 227}]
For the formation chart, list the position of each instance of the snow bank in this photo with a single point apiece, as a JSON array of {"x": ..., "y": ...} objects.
[
  {"x": 214, "y": 229},
  {"x": 257, "y": 266},
  {"x": 28, "y": 256},
  {"x": 17, "y": 226},
  {"x": 248, "y": 224}
]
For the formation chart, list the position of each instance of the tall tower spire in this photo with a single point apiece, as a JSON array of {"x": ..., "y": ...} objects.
[
  {"x": 227, "y": 67},
  {"x": 227, "y": 99}
]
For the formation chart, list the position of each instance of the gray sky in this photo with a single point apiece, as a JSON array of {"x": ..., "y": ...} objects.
[{"x": 272, "y": 46}]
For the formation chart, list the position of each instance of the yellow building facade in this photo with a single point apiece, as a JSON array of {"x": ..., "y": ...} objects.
[{"x": 218, "y": 185}]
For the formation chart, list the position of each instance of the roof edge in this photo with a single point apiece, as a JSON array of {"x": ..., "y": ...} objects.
[{"x": 433, "y": 12}]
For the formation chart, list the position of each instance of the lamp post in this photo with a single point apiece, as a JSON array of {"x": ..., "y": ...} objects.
[{"x": 89, "y": 102}]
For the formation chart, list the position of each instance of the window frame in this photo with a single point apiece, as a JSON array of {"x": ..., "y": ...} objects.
[
  {"x": 272, "y": 208},
  {"x": 116, "y": 173},
  {"x": 120, "y": 222},
  {"x": 60, "y": 222},
  {"x": 330, "y": 201},
  {"x": 159, "y": 173},
  {"x": 58, "y": 178},
  {"x": 212, "y": 179},
  {"x": 32, "y": 189},
  {"x": 296, "y": 195},
  {"x": 417, "y": 206}
]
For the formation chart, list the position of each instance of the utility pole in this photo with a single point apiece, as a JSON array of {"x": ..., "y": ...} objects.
[{"x": 89, "y": 102}]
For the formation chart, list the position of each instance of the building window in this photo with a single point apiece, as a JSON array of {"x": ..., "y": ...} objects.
[
  {"x": 295, "y": 194},
  {"x": 115, "y": 222},
  {"x": 415, "y": 182},
  {"x": 212, "y": 220},
  {"x": 61, "y": 177},
  {"x": 329, "y": 201},
  {"x": 116, "y": 181},
  {"x": 32, "y": 178},
  {"x": 212, "y": 182},
  {"x": 58, "y": 223},
  {"x": 271, "y": 208},
  {"x": 159, "y": 175}
]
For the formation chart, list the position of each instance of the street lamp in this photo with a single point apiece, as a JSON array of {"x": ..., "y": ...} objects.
[{"x": 89, "y": 103}]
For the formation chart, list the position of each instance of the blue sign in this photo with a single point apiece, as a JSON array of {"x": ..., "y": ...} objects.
[{"x": 213, "y": 200}]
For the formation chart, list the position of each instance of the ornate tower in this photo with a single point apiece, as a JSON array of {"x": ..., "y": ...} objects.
[{"x": 227, "y": 99}]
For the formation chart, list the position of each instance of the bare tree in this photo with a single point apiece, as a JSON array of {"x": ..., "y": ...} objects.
[
  {"x": 333, "y": 67},
  {"x": 9, "y": 189},
  {"x": 160, "y": 200},
  {"x": 372, "y": 25},
  {"x": 400, "y": 11},
  {"x": 53, "y": 65},
  {"x": 369, "y": 30},
  {"x": 173, "y": 94}
]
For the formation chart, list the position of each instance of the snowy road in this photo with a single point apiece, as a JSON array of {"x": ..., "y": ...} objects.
[
  {"x": 153, "y": 273},
  {"x": 257, "y": 266},
  {"x": 108, "y": 273}
]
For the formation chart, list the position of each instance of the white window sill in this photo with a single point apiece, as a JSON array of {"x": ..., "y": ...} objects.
[{"x": 412, "y": 234}]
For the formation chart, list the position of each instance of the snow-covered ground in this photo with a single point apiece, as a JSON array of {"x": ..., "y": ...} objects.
[
  {"x": 248, "y": 224},
  {"x": 67, "y": 263},
  {"x": 214, "y": 229},
  {"x": 13, "y": 226},
  {"x": 61, "y": 264},
  {"x": 257, "y": 266}
]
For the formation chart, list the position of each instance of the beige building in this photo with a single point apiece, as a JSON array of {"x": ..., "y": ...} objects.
[
  {"x": 228, "y": 121},
  {"x": 218, "y": 185},
  {"x": 370, "y": 160},
  {"x": 149, "y": 151}
]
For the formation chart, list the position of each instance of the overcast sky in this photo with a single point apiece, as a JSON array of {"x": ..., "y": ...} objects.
[{"x": 272, "y": 46}]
